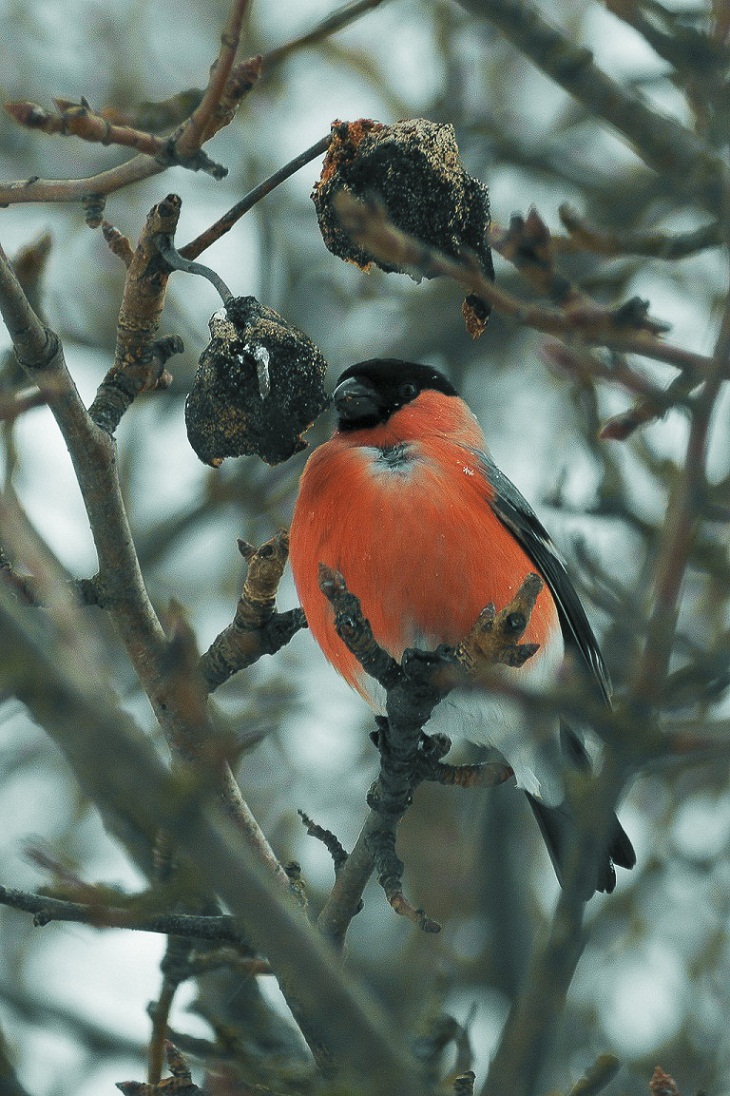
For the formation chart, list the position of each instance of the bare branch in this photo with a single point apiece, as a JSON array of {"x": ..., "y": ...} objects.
[
  {"x": 226, "y": 88},
  {"x": 340, "y": 18},
  {"x": 655, "y": 245},
  {"x": 681, "y": 524},
  {"x": 199, "y": 126},
  {"x": 79, "y": 718},
  {"x": 80, "y": 120},
  {"x": 666, "y": 146},
  {"x": 228, "y": 220},
  {"x": 136, "y": 367},
  {"x": 256, "y": 629},
  {"x": 369, "y": 226},
  {"x": 407, "y": 757}
]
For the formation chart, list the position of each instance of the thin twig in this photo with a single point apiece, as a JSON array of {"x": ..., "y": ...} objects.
[
  {"x": 339, "y": 19},
  {"x": 228, "y": 220},
  {"x": 195, "y": 130},
  {"x": 46, "y": 909},
  {"x": 681, "y": 523},
  {"x": 175, "y": 967},
  {"x": 79, "y": 120}
]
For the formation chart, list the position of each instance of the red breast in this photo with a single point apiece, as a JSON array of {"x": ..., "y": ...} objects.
[{"x": 402, "y": 510}]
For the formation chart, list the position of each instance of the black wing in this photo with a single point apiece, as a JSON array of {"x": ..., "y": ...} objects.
[{"x": 519, "y": 517}]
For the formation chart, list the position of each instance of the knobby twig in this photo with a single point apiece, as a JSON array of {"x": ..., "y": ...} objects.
[
  {"x": 256, "y": 629},
  {"x": 80, "y": 120},
  {"x": 137, "y": 367},
  {"x": 100, "y": 914},
  {"x": 413, "y": 688},
  {"x": 329, "y": 840},
  {"x": 370, "y": 227},
  {"x": 118, "y": 243},
  {"x": 179, "y": 1083}
]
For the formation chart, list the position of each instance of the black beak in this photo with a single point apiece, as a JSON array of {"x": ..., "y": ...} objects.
[{"x": 356, "y": 401}]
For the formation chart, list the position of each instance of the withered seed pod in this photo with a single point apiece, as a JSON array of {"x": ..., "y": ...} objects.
[
  {"x": 258, "y": 386},
  {"x": 413, "y": 167}
]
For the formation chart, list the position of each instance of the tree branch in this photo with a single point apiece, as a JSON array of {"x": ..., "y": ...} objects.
[
  {"x": 371, "y": 228},
  {"x": 407, "y": 757},
  {"x": 228, "y": 220},
  {"x": 256, "y": 628},
  {"x": 666, "y": 146},
  {"x": 344, "y": 1025},
  {"x": 226, "y": 88}
]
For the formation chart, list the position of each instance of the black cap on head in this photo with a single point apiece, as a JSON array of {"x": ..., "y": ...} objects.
[{"x": 369, "y": 392}]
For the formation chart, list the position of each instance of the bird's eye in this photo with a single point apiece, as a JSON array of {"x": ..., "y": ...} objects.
[{"x": 407, "y": 391}]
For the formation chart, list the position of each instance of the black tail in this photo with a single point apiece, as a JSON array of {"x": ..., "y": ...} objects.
[{"x": 557, "y": 826}]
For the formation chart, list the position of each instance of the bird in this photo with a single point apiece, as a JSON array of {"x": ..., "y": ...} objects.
[{"x": 406, "y": 503}]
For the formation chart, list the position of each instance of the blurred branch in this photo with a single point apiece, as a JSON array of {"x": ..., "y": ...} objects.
[
  {"x": 530, "y": 1028},
  {"x": 227, "y": 86},
  {"x": 339, "y": 19},
  {"x": 175, "y": 967},
  {"x": 655, "y": 245},
  {"x": 40, "y": 1011},
  {"x": 668, "y": 147},
  {"x": 344, "y": 1026},
  {"x": 598, "y": 1077},
  {"x": 120, "y": 585},
  {"x": 680, "y": 529},
  {"x": 15, "y": 404},
  {"x": 583, "y": 367},
  {"x": 693, "y": 54},
  {"x": 661, "y": 1084},
  {"x": 9, "y": 1083},
  {"x": 618, "y": 329}
]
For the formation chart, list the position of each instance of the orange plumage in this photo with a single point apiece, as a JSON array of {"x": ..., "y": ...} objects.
[{"x": 419, "y": 545}]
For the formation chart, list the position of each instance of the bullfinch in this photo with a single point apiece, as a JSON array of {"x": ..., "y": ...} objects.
[{"x": 406, "y": 502}]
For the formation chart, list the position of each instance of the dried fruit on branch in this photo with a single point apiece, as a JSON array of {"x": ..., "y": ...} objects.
[
  {"x": 413, "y": 168},
  {"x": 258, "y": 387}
]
